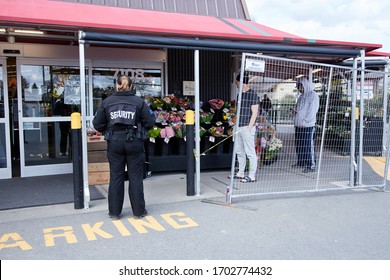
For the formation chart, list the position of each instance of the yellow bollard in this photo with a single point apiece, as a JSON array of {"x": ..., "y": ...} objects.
[
  {"x": 75, "y": 121},
  {"x": 190, "y": 137},
  {"x": 190, "y": 117},
  {"x": 78, "y": 191}
]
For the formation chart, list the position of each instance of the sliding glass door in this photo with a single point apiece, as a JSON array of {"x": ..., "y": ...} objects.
[
  {"x": 5, "y": 150},
  {"x": 48, "y": 93}
]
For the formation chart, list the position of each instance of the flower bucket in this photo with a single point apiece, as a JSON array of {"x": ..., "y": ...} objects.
[
  {"x": 269, "y": 161},
  {"x": 150, "y": 148},
  {"x": 182, "y": 147},
  {"x": 219, "y": 147}
]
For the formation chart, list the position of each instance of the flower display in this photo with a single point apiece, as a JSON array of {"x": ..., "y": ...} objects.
[
  {"x": 170, "y": 111},
  {"x": 263, "y": 142},
  {"x": 154, "y": 132},
  {"x": 272, "y": 130},
  {"x": 273, "y": 148},
  {"x": 149, "y": 100},
  {"x": 267, "y": 145},
  {"x": 156, "y": 103},
  {"x": 184, "y": 103},
  {"x": 161, "y": 116},
  {"x": 216, "y": 131},
  {"x": 229, "y": 114},
  {"x": 170, "y": 101},
  {"x": 167, "y": 132},
  {"x": 175, "y": 116},
  {"x": 180, "y": 129},
  {"x": 216, "y": 103},
  {"x": 206, "y": 117},
  {"x": 202, "y": 131}
]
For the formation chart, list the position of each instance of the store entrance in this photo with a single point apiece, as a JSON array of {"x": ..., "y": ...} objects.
[{"x": 42, "y": 98}]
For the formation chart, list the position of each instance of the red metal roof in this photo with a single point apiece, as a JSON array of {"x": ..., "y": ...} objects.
[{"x": 77, "y": 16}]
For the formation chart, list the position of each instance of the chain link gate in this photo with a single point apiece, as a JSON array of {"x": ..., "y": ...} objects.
[{"x": 341, "y": 162}]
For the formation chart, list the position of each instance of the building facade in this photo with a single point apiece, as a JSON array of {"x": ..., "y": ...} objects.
[{"x": 40, "y": 72}]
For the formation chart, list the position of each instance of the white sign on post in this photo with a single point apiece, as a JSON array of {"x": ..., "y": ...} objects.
[
  {"x": 255, "y": 65},
  {"x": 188, "y": 88}
]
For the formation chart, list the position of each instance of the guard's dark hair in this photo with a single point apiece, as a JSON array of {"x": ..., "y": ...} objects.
[{"x": 123, "y": 83}]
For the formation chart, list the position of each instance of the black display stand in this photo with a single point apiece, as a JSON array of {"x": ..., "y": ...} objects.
[{"x": 171, "y": 155}]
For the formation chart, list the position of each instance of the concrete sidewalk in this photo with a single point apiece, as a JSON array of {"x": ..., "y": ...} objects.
[
  {"x": 159, "y": 189},
  {"x": 349, "y": 224}
]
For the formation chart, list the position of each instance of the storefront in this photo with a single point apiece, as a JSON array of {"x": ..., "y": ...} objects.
[
  {"x": 40, "y": 85},
  {"x": 38, "y": 99}
]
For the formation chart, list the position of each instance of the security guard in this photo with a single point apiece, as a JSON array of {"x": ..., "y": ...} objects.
[{"x": 125, "y": 118}]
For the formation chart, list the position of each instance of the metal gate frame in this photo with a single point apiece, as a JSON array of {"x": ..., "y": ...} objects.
[{"x": 237, "y": 189}]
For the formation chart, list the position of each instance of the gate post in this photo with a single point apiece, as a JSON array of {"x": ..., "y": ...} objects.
[
  {"x": 360, "y": 162},
  {"x": 354, "y": 119}
]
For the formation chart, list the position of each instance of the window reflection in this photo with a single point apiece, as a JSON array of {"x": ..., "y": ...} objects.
[
  {"x": 1, "y": 92},
  {"x": 43, "y": 86},
  {"x": 46, "y": 143},
  {"x": 147, "y": 82},
  {"x": 3, "y": 157}
]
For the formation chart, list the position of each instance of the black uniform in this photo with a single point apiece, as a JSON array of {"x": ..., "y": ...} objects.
[{"x": 125, "y": 119}]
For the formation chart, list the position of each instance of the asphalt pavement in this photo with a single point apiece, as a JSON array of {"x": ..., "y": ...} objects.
[{"x": 339, "y": 225}]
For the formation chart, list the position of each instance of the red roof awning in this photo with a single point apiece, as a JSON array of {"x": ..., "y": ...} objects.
[{"x": 77, "y": 16}]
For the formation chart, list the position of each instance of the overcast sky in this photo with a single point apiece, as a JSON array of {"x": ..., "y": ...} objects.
[{"x": 364, "y": 21}]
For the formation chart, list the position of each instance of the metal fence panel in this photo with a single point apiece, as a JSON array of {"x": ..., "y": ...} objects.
[
  {"x": 337, "y": 166},
  {"x": 371, "y": 93}
]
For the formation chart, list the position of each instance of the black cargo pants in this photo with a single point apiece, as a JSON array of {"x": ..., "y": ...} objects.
[{"x": 122, "y": 152}]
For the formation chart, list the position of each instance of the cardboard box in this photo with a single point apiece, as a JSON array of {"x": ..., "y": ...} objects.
[
  {"x": 98, "y": 167},
  {"x": 99, "y": 178},
  {"x": 95, "y": 138},
  {"x": 97, "y": 146},
  {"x": 97, "y": 156}
]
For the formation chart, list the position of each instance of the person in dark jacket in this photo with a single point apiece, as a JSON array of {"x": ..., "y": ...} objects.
[
  {"x": 125, "y": 118},
  {"x": 62, "y": 109}
]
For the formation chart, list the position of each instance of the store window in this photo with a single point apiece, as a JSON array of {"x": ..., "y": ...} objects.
[
  {"x": 43, "y": 87},
  {"x": 147, "y": 82}
]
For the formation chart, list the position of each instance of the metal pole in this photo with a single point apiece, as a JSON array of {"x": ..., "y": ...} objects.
[
  {"x": 354, "y": 118},
  {"x": 387, "y": 161},
  {"x": 229, "y": 189},
  {"x": 360, "y": 165},
  {"x": 77, "y": 158},
  {"x": 385, "y": 103},
  {"x": 197, "y": 122},
  {"x": 190, "y": 141},
  {"x": 324, "y": 126},
  {"x": 84, "y": 121},
  {"x": 386, "y": 125}
]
